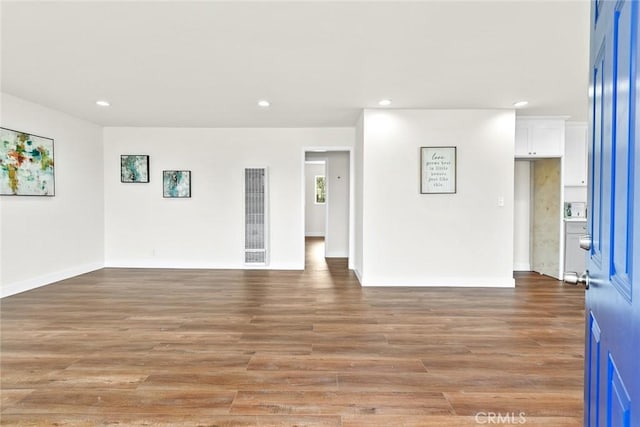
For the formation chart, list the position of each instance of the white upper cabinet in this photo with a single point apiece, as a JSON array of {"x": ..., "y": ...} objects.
[
  {"x": 539, "y": 137},
  {"x": 575, "y": 154}
]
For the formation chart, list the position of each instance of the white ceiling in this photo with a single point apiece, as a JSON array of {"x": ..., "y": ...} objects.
[{"x": 206, "y": 64}]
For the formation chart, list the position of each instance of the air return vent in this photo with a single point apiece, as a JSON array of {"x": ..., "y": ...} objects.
[{"x": 255, "y": 216}]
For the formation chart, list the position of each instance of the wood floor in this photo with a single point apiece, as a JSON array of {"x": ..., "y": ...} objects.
[{"x": 266, "y": 348}]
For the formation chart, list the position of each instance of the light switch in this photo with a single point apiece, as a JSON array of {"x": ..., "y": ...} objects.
[{"x": 501, "y": 201}]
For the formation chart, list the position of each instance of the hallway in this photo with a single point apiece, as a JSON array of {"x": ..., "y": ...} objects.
[{"x": 315, "y": 260}]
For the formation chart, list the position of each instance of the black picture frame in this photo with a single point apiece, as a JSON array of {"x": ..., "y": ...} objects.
[
  {"x": 134, "y": 168},
  {"x": 176, "y": 184}
]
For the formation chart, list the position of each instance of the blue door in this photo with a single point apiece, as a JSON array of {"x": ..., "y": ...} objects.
[{"x": 612, "y": 345}]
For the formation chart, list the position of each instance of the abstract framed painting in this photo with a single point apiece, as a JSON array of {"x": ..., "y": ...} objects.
[
  {"x": 134, "y": 168},
  {"x": 176, "y": 184},
  {"x": 26, "y": 164}
]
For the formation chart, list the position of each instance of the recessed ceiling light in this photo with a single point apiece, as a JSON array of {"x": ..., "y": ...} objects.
[
  {"x": 103, "y": 103},
  {"x": 264, "y": 103},
  {"x": 520, "y": 104},
  {"x": 384, "y": 102}
]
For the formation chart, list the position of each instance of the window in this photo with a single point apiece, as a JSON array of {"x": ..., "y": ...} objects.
[{"x": 321, "y": 190}]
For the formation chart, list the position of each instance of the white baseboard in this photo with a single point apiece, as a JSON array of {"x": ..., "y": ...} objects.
[
  {"x": 521, "y": 266},
  {"x": 314, "y": 234},
  {"x": 179, "y": 264},
  {"x": 47, "y": 279},
  {"x": 468, "y": 282},
  {"x": 358, "y": 275},
  {"x": 336, "y": 255}
]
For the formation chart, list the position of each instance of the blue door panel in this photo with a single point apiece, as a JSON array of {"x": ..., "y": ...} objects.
[
  {"x": 621, "y": 144},
  {"x": 618, "y": 400},
  {"x": 592, "y": 374}
]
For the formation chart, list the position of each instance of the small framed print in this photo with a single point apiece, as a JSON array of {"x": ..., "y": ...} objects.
[
  {"x": 134, "y": 168},
  {"x": 176, "y": 184},
  {"x": 437, "y": 170}
]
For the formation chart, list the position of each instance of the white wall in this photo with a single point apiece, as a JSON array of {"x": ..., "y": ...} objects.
[
  {"x": 358, "y": 214},
  {"x": 144, "y": 230},
  {"x": 522, "y": 216},
  {"x": 46, "y": 239},
  {"x": 337, "y": 238},
  {"x": 315, "y": 213},
  {"x": 401, "y": 236},
  {"x": 462, "y": 239}
]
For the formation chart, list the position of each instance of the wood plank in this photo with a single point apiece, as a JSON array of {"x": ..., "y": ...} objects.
[
  {"x": 110, "y": 401},
  {"x": 533, "y": 403},
  {"x": 324, "y": 403},
  {"x": 454, "y": 421},
  {"x": 133, "y": 420},
  {"x": 336, "y": 364}
]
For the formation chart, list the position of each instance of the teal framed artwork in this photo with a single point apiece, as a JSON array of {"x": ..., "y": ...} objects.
[
  {"x": 176, "y": 184},
  {"x": 134, "y": 168}
]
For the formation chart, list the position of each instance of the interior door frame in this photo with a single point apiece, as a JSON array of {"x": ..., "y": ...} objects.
[{"x": 351, "y": 220}]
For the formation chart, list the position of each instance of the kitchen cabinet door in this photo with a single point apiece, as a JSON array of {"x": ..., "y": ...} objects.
[
  {"x": 539, "y": 138},
  {"x": 575, "y": 154},
  {"x": 575, "y": 259},
  {"x": 522, "y": 140},
  {"x": 546, "y": 139}
]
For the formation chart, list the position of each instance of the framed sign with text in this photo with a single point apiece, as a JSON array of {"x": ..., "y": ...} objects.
[{"x": 437, "y": 170}]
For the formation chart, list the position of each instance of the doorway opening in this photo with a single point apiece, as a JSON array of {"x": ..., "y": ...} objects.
[
  {"x": 327, "y": 206},
  {"x": 538, "y": 242}
]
